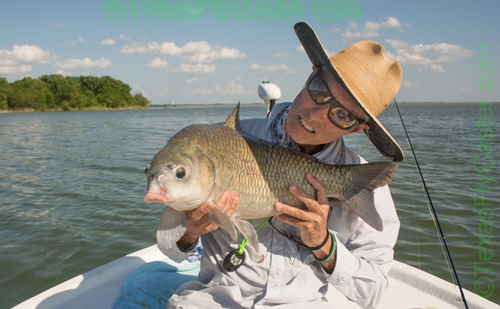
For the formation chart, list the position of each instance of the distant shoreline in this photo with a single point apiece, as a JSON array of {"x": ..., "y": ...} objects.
[
  {"x": 208, "y": 104},
  {"x": 262, "y": 104},
  {"x": 32, "y": 110}
]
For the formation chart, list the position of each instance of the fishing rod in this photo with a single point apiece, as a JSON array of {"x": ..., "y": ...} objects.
[{"x": 436, "y": 220}]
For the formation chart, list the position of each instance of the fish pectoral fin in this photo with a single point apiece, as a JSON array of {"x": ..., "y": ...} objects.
[
  {"x": 248, "y": 231},
  {"x": 173, "y": 224},
  {"x": 362, "y": 204},
  {"x": 219, "y": 217}
]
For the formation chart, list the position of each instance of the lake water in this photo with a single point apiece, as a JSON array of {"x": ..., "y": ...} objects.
[{"x": 71, "y": 188}]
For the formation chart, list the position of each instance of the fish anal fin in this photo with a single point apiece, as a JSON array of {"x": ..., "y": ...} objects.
[
  {"x": 248, "y": 231},
  {"x": 233, "y": 121},
  {"x": 219, "y": 218},
  {"x": 362, "y": 204},
  {"x": 368, "y": 177},
  {"x": 173, "y": 224},
  {"x": 333, "y": 202}
]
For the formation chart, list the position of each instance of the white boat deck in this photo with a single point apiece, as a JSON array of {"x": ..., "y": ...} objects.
[{"x": 98, "y": 288}]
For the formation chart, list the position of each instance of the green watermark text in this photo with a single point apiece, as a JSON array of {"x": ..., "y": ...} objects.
[
  {"x": 257, "y": 11},
  {"x": 484, "y": 165}
]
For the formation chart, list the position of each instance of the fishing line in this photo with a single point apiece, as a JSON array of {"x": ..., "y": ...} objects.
[{"x": 433, "y": 211}]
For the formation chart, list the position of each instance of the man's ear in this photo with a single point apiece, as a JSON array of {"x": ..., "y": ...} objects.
[{"x": 359, "y": 128}]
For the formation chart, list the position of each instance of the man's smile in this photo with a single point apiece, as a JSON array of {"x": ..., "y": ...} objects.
[{"x": 307, "y": 127}]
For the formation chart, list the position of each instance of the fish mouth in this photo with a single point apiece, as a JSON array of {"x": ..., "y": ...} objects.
[
  {"x": 159, "y": 196},
  {"x": 306, "y": 126}
]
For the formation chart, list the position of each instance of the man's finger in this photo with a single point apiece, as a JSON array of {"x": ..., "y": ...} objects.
[
  {"x": 232, "y": 203},
  {"x": 307, "y": 199},
  {"x": 320, "y": 187},
  {"x": 201, "y": 211},
  {"x": 290, "y": 220},
  {"x": 292, "y": 211}
]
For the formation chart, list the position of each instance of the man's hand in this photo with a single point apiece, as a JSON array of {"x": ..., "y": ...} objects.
[
  {"x": 312, "y": 222},
  {"x": 197, "y": 219}
]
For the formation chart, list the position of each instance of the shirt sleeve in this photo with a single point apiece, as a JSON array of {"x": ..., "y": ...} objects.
[
  {"x": 176, "y": 255},
  {"x": 363, "y": 262}
]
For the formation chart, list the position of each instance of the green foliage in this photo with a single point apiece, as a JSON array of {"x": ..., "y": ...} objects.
[
  {"x": 5, "y": 89},
  {"x": 67, "y": 93}
]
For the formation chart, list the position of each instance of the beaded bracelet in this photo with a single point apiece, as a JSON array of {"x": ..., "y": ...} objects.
[
  {"x": 332, "y": 252},
  {"x": 322, "y": 244}
]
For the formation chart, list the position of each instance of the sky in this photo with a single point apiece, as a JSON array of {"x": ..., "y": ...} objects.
[{"x": 188, "y": 52}]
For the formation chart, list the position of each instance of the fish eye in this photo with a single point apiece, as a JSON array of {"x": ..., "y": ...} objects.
[{"x": 181, "y": 172}]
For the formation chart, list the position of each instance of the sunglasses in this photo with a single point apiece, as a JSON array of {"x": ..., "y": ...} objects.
[{"x": 320, "y": 94}]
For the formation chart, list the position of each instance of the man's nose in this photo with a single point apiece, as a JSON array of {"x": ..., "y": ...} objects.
[{"x": 320, "y": 111}]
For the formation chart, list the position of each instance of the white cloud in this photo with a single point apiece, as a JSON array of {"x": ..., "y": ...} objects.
[
  {"x": 194, "y": 52},
  {"x": 203, "y": 91},
  {"x": 62, "y": 72},
  {"x": 18, "y": 70},
  {"x": 370, "y": 29},
  {"x": 276, "y": 67},
  {"x": 231, "y": 88},
  {"x": 157, "y": 63},
  {"x": 300, "y": 48},
  {"x": 8, "y": 62},
  {"x": 408, "y": 84},
  {"x": 421, "y": 54},
  {"x": 465, "y": 89},
  {"x": 192, "y": 80},
  {"x": 83, "y": 63},
  {"x": 27, "y": 54},
  {"x": 272, "y": 68},
  {"x": 73, "y": 43},
  {"x": 164, "y": 92},
  {"x": 62, "y": 26},
  {"x": 436, "y": 68},
  {"x": 108, "y": 42},
  {"x": 194, "y": 68},
  {"x": 122, "y": 37},
  {"x": 282, "y": 55}
]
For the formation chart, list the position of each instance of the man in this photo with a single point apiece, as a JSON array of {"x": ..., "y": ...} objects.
[{"x": 303, "y": 251}]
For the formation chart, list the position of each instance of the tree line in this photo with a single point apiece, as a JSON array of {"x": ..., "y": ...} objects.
[{"x": 55, "y": 92}]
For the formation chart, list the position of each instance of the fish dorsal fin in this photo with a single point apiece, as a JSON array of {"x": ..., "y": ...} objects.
[{"x": 233, "y": 121}]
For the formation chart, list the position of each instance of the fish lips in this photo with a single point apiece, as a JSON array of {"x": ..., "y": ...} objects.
[{"x": 159, "y": 196}]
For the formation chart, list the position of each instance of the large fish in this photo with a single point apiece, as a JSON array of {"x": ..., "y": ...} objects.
[{"x": 200, "y": 162}]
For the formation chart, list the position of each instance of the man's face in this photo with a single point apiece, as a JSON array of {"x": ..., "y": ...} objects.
[{"x": 308, "y": 122}]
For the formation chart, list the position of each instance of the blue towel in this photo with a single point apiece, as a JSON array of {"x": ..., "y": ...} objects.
[{"x": 152, "y": 284}]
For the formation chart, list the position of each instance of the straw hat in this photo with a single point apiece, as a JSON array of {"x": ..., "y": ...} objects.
[{"x": 365, "y": 73}]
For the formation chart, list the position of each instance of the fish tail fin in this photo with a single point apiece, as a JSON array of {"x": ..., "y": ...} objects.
[{"x": 368, "y": 177}]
